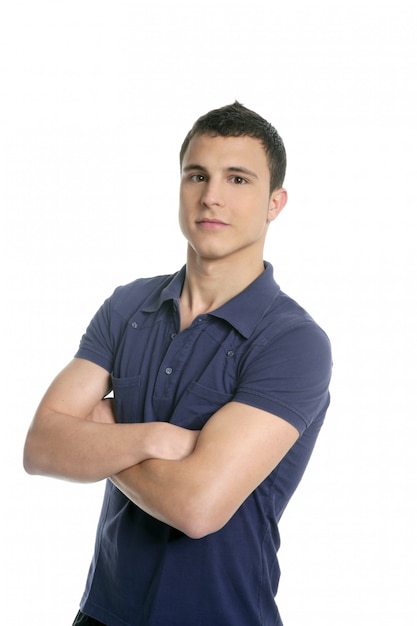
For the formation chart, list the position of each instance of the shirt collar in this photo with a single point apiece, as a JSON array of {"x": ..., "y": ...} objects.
[{"x": 243, "y": 311}]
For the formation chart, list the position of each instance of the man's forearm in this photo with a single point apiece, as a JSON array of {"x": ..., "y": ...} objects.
[
  {"x": 164, "y": 489},
  {"x": 71, "y": 448},
  {"x": 82, "y": 450}
]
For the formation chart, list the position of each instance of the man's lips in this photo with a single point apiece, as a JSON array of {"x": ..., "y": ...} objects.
[{"x": 211, "y": 224}]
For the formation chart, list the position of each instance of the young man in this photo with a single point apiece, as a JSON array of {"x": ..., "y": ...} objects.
[{"x": 220, "y": 387}]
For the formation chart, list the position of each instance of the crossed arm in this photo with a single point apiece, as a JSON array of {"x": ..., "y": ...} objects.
[
  {"x": 70, "y": 439},
  {"x": 192, "y": 481}
]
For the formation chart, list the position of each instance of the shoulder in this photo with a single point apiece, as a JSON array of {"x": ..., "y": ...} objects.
[
  {"x": 109, "y": 323},
  {"x": 285, "y": 317},
  {"x": 288, "y": 350},
  {"x": 142, "y": 292},
  {"x": 287, "y": 367}
]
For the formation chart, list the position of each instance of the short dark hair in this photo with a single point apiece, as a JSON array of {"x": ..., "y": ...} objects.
[{"x": 235, "y": 120}]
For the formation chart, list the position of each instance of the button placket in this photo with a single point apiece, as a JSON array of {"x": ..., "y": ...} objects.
[{"x": 179, "y": 346}]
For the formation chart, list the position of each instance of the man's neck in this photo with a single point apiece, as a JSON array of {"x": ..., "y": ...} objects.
[{"x": 210, "y": 284}]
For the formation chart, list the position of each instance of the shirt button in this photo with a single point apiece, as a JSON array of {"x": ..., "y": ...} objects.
[
  {"x": 230, "y": 353},
  {"x": 134, "y": 325},
  {"x": 168, "y": 370},
  {"x": 173, "y": 335}
]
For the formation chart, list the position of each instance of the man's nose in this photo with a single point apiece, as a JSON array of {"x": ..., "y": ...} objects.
[{"x": 212, "y": 194}]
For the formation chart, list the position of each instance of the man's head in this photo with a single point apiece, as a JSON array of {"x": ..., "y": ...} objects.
[{"x": 235, "y": 120}]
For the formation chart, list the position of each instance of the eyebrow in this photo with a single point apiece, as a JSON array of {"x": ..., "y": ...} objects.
[{"x": 236, "y": 169}]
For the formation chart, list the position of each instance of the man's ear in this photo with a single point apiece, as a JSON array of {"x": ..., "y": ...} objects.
[{"x": 277, "y": 202}]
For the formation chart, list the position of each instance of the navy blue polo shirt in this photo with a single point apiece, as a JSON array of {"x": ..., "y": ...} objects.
[{"x": 260, "y": 348}]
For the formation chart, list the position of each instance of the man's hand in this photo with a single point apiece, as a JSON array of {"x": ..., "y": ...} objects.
[
  {"x": 164, "y": 440},
  {"x": 169, "y": 442},
  {"x": 103, "y": 412}
]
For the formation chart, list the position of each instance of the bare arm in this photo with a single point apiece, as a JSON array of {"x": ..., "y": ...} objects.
[
  {"x": 236, "y": 450},
  {"x": 70, "y": 439}
]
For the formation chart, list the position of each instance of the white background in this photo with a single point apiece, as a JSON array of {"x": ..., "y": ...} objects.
[{"x": 96, "y": 97}]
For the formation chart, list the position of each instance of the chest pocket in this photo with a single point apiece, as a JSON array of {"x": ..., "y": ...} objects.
[
  {"x": 197, "y": 405},
  {"x": 126, "y": 399}
]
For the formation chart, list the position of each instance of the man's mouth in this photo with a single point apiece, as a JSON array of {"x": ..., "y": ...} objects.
[{"x": 211, "y": 224}]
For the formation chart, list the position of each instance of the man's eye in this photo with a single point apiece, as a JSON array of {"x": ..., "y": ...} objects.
[
  {"x": 198, "y": 178},
  {"x": 238, "y": 180}
]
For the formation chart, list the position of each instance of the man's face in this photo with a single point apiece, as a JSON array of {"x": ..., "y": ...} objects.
[{"x": 225, "y": 201}]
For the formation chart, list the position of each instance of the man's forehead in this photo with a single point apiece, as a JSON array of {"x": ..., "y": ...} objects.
[{"x": 207, "y": 147}]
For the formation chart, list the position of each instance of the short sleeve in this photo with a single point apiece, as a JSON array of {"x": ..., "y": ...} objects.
[
  {"x": 97, "y": 343},
  {"x": 290, "y": 376}
]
